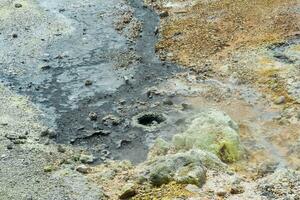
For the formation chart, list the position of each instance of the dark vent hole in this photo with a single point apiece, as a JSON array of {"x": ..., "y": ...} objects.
[{"x": 150, "y": 119}]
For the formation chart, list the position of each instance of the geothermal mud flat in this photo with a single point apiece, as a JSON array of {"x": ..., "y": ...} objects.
[
  {"x": 87, "y": 82},
  {"x": 78, "y": 58}
]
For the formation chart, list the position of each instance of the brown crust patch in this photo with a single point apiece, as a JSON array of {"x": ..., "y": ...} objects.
[{"x": 212, "y": 30}]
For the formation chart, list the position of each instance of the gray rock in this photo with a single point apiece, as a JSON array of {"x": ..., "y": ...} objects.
[
  {"x": 93, "y": 116},
  {"x": 280, "y": 100},
  {"x": 191, "y": 174},
  {"x": 86, "y": 158},
  {"x": 61, "y": 149},
  {"x": 12, "y": 136},
  {"x": 10, "y": 146},
  {"x": 88, "y": 83},
  {"x": 164, "y": 14},
  {"x": 18, "y": 5},
  {"x": 83, "y": 169},
  {"x": 188, "y": 167},
  {"x": 48, "y": 133},
  {"x": 128, "y": 191},
  {"x": 111, "y": 120}
]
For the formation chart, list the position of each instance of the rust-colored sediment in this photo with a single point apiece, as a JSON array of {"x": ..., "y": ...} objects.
[{"x": 212, "y": 30}]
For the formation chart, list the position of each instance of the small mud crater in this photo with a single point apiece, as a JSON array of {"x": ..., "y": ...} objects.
[{"x": 150, "y": 119}]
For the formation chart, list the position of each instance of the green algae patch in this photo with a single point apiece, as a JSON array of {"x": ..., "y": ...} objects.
[{"x": 213, "y": 131}]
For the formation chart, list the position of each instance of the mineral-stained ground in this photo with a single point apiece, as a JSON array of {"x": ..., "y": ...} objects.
[{"x": 161, "y": 99}]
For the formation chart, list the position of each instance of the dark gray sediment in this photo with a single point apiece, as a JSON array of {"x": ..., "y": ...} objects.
[{"x": 86, "y": 46}]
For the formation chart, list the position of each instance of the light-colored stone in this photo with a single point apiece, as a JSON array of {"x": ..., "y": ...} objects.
[
  {"x": 128, "y": 191},
  {"x": 185, "y": 167},
  {"x": 280, "y": 100},
  {"x": 87, "y": 158},
  {"x": 213, "y": 131},
  {"x": 83, "y": 169}
]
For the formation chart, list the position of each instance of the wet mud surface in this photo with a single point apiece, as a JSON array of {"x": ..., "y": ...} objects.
[{"x": 79, "y": 64}]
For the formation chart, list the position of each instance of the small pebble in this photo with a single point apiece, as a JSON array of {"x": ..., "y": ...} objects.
[
  {"x": 93, "y": 116},
  {"x": 168, "y": 102},
  {"x": 88, "y": 83},
  {"x": 164, "y": 14},
  {"x": 61, "y": 149},
  {"x": 221, "y": 193},
  {"x": 18, "y": 5},
  {"x": 87, "y": 158},
  {"x": 83, "y": 169},
  {"x": 237, "y": 190},
  {"x": 280, "y": 100},
  {"x": 48, "y": 168},
  {"x": 9, "y": 146}
]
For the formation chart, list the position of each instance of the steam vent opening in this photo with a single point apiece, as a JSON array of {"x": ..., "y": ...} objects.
[{"x": 150, "y": 119}]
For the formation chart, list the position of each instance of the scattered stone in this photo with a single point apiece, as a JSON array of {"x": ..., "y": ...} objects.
[
  {"x": 61, "y": 149},
  {"x": 61, "y": 10},
  {"x": 48, "y": 168},
  {"x": 83, "y": 169},
  {"x": 221, "y": 193},
  {"x": 122, "y": 102},
  {"x": 47, "y": 142},
  {"x": 88, "y": 83},
  {"x": 81, "y": 128},
  {"x": 280, "y": 100},
  {"x": 168, "y": 102},
  {"x": 152, "y": 91},
  {"x": 18, "y": 141},
  {"x": 22, "y": 137},
  {"x": 164, "y": 14},
  {"x": 10, "y": 146},
  {"x": 191, "y": 174},
  {"x": 103, "y": 158},
  {"x": 52, "y": 134},
  {"x": 18, "y": 5},
  {"x": 186, "y": 106},
  {"x": 48, "y": 132},
  {"x": 111, "y": 120},
  {"x": 105, "y": 152},
  {"x": 188, "y": 168},
  {"x": 128, "y": 191},
  {"x": 86, "y": 158},
  {"x": 45, "y": 67},
  {"x": 126, "y": 79},
  {"x": 93, "y": 116},
  {"x": 11, "y": 136},
  {"x": 237, "y": 190},
  {"x": 156, "y": 30},
  {"x": 14, "y": 35},
  {"x": 101, "y": 132}
]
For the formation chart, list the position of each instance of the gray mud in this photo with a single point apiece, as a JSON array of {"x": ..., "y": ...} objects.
[{"x": 49, "y": 53}]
